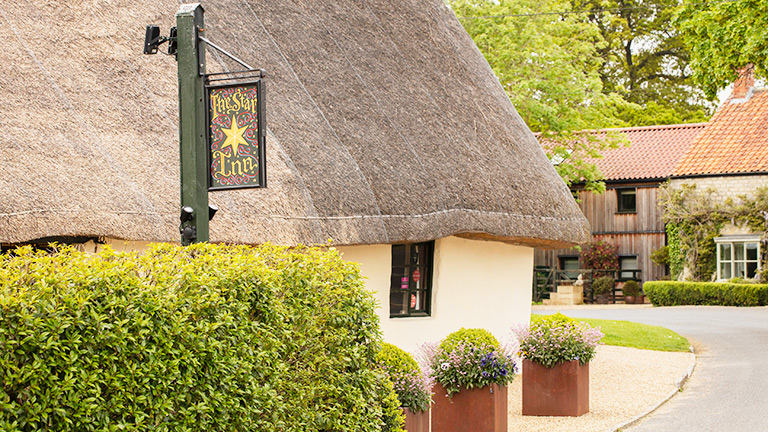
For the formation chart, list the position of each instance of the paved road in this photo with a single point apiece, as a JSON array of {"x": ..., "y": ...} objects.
[{"x": 728, "y": 390}]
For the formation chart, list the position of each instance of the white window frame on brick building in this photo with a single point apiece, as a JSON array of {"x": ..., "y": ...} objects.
[{"x": 738, "y": 256}]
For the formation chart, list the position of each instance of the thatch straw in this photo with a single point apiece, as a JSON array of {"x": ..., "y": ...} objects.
[{"x": 385, "y": 125}]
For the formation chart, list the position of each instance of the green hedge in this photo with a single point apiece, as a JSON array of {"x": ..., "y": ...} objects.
[
  {"x": 208, "y": 337},
  {"x": 673, "y": 293}
]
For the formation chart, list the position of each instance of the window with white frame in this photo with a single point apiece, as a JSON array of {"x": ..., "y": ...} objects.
[{"x": 737, "y": 256}]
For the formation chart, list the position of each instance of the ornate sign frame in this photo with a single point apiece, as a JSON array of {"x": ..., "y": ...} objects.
[{"x": 236, "y": 135}]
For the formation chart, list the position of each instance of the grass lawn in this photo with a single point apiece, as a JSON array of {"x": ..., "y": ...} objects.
[{"x": 635, "y": 335}]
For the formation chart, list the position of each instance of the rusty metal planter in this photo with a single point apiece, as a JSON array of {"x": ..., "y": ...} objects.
[
  {"x": 477, "y": 410},
  {"x": 416, "y": 421},
  {"x": 562, "y": 390}
]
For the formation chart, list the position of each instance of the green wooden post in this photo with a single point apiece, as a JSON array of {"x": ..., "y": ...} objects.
[{"x": 192, "y": 127}]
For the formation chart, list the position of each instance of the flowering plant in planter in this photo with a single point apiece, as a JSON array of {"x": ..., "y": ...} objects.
[
  {"x": 556, "y": 339},
  {"x": 413, "y": 387},
  {"x": 470, "y": 358}
]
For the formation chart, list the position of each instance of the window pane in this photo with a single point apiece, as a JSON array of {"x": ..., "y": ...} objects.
[
  {"x": 417, "y": 277},
  {"x": 725, "y": 270},
  {"x": 398, "y": 255},
  {"x": 397, "y": 279},
  {"x": 421, "y": 254},
  {"x": 738, "y": 251},
  {"x": 397, "y": 303},
  {"x": 725, "y": 252},
  {"x": 418, "y": 301},
  {"x": 751, "y": 269},
  {"x": 752, "y": 251},
  {"x": 738, "y": 269},
  {"x": 628, "y": 263},
  {"x": 627, "y": 200},
  {"x": 416, "y": 253},
  {"x": 570, "y": 265}
]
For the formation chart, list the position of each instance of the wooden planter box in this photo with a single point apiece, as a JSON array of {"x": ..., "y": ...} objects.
[
  {"x": 476, "y": 410},
  {"x": 559, "y": 391},
  {"x": 416, "y": 421}
]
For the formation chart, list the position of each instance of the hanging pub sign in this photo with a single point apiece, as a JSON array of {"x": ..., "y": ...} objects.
[{"x": 236, "y": 138}]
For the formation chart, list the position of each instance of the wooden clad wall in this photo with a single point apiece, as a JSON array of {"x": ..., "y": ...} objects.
[
  {"x": 637, "y": 233},
  {"x": 600, "y": 210}
]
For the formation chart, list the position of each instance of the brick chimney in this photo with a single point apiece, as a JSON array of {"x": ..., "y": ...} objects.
[{"x": 745, "y": 82}]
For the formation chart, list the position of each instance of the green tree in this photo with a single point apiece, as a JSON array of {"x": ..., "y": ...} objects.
[
  {"x": 724, "y": 37},
  {"x": 645, "y": 61},
  {"x": 549, "y": 64}
]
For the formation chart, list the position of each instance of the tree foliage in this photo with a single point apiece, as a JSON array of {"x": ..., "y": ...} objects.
[
  {"x": 567, "y": 71},
  {"x": 724, "y": 37},
  {"x": 645, "y": 60},
  {"x": 549, "y": 65}
]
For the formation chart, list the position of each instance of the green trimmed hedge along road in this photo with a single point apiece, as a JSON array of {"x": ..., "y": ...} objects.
[
  {"x": 201, "y": 338},
  {"x": 636, "y": 335},
  {"x": 674, "y": 293}
]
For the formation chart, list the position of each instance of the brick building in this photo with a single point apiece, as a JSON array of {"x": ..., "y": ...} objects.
[{"x": 730, "y": 157}]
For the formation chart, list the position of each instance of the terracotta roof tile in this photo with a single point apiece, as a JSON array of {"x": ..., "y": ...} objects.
[
  {"x": 734, "y": 141},
  {"x": 653, "y": 151}
]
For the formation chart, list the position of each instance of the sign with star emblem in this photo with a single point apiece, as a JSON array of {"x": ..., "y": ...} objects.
[{"x": 236, "y": 139}]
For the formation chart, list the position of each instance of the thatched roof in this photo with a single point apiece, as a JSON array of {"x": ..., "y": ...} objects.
[{"x": 385, "y": 125}]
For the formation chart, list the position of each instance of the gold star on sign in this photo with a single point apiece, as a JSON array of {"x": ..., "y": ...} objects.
[{"x": 234, "y": 136}]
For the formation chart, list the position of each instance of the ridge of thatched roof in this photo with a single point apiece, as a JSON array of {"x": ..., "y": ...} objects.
[{"x": 385, "y": 125}]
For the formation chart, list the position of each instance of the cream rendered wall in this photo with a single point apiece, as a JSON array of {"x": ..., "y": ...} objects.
[
  {"x": 476, "y": 283},
  {"x": 117, "y": 245}
]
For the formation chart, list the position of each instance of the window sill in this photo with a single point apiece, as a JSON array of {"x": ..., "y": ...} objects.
[
  {"x": 626, "y": 212},
  {"x": 413, "y": 315}
]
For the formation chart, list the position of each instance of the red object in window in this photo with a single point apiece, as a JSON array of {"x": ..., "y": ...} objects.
[
  {"x": 413, "y": 300},
  {"x": 404, "y": 282},
  {"x": 416, "y": 275}
]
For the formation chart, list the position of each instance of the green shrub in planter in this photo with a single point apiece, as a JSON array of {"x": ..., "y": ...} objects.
[
  {"x": 554, "y": 320},
  {"x": 602, "y": 285},
  {"x": 469, "y": 337},
  {"x": 206, "y": 337},
  {"x": 631, "y": 288},
  {"x": 470, "y": 358},
  {"x": 413, "y": 387}
]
